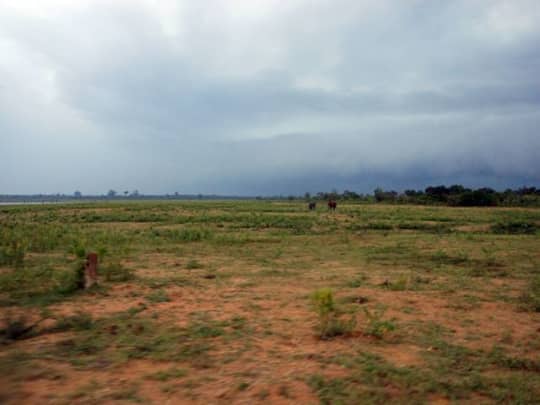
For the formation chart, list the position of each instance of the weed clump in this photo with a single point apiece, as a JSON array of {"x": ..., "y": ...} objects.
[
  {"x": 376, "y": 326},
  {"x": 68, "y": 282},
  {"x": 330, "y": 323}
]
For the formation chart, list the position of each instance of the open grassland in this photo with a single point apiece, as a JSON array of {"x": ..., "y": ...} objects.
[{"x": 243, "y": 302}]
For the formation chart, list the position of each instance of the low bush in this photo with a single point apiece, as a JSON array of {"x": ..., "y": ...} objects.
[
  {"x": 69, "y": 281},
  {"x": 330, "y": 322}
]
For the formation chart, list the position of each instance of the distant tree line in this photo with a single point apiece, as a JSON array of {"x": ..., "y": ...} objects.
[{"x": 456, "y": 195}]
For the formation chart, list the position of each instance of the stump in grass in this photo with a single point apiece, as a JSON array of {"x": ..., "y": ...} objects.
[{"x": 90, "y": 270}]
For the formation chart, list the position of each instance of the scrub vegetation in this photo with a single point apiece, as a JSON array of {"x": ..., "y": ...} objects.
[{"x": 265, "y": 301}]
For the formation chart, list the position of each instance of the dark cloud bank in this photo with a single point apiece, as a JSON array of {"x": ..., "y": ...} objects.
[{"x": 258, "y": 98}]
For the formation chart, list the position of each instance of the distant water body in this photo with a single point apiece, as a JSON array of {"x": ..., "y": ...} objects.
[{"x": 30, "y": 202}]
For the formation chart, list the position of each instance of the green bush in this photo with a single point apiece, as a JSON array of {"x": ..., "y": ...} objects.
[
  {"x": 330, "y": 324},
  {"x": 68, "y": 282}
]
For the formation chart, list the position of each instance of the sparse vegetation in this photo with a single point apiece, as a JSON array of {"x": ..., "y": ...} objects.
[
  {"x": 376, "y": 325},
  {"x": 414, "y": 303}
]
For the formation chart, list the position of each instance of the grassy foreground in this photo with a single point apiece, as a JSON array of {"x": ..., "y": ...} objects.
[{"x": 243, "y": 302}]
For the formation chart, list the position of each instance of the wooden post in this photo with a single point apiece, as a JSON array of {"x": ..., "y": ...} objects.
[{"x": 90, "y": 270}]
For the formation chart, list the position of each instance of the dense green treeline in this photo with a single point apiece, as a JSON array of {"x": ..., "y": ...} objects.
[{"x": 456, "y": 195}]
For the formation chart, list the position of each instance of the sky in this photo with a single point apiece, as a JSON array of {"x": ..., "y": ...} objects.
[{"x": 266, "y": 97}]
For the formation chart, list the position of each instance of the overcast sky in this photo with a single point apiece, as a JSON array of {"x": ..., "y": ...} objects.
[{"x": 258, "y": 97}]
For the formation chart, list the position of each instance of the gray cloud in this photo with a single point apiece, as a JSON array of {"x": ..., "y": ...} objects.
[{"x": 268, "y": 97}]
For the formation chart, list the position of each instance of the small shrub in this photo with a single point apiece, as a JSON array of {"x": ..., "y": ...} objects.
[
  {"x": 68, "y": 282},
  {"x": 330, "y": 324},
  {"x": 376, "y": 325},
  {"x": 115, "y": 272}
]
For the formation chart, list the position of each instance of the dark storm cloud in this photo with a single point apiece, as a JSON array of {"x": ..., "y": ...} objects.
[{"x": 268, "y": 97}]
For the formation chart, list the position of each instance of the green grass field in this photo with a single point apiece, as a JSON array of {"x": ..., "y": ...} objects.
[{"x": 258, "y": 301}]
